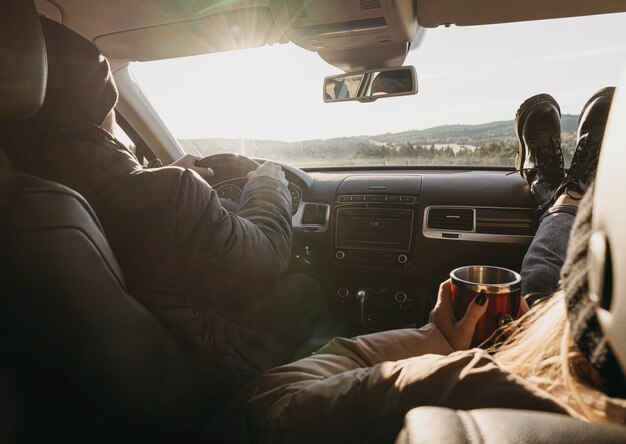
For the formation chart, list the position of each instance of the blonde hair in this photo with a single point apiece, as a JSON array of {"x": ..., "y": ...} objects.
[{"x": 541, "y": 351}]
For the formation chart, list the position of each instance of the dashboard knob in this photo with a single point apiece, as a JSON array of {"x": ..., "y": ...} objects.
[
  {"x": 343, "y": 292},
  {"x": 340, "y": 255},
  {"x": 402, "y": 258},
  {"x": 400, "y": 297}
]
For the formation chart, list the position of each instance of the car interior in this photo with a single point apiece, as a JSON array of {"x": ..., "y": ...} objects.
[{"x": 379, "y": 239}]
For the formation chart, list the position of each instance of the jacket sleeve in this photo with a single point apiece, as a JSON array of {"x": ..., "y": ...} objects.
[
  {"x": 359, "y": 390},
  {"x": 229, "y": 260},
  {"x": 236, "y": 257}
]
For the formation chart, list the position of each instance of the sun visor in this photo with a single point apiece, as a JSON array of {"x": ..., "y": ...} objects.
[
  {"x": 224, "y": 31},
  {"x": 350, "y": 34}
]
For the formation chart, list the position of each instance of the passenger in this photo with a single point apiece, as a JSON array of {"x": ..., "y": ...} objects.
[
  {"x": 209, "y": 276},
  {"x": 540, "y": 162},
  {"x": 556, "y": 360}
]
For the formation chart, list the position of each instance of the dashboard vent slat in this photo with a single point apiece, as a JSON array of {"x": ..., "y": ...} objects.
[
  {"x": 451, "y": 219},
  {"x": 295, "y": 9},
  {"x": 369, "y": 4},
  {"x": 505, "y": 221}
]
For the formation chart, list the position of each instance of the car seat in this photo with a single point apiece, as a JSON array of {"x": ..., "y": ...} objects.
[
  {"x": 428, "y": 425},
  {"x": 82, "y": 361}
]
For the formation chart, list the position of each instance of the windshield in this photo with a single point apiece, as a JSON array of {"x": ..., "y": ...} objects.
[{"x": 267, "y": 102}]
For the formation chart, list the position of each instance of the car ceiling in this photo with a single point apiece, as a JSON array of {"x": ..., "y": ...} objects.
[
  {"x": 158, "y": 29},
  {"x": 432, "y": 13}
]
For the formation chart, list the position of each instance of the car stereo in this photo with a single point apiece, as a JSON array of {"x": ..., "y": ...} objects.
[{"x": 374, "y": 234}]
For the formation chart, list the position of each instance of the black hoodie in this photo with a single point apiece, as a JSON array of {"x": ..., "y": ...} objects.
[{"x": 184, "y": 256}]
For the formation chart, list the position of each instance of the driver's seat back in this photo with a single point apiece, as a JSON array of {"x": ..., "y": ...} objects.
[{"x": 75, "y": 336}]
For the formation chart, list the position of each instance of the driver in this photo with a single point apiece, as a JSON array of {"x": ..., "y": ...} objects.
[{"x": 208, "y": 275}]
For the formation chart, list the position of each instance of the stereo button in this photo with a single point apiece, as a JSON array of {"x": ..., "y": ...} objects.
[
  {"x": 343, "y": 292},
  {"x": 403, "y": 259},
  {"x": 400, "y": 297},
  {"x": 340, "y": 255},
  {"x": 375, "y": 198}
]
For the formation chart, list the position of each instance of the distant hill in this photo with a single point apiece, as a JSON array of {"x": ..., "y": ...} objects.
[
  {"x": 488, "y": 144},
  {"x": 465, "y": 133}
]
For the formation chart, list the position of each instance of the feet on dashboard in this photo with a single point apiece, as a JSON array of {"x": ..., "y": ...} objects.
[
  {"x": 539, "y": 157},
  {"x": 591, "y": 125}
]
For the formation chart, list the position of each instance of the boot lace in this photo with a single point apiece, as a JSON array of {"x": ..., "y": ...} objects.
[
  {"x": 584, "y": 162},
  {"x": 549, "y": 160}
]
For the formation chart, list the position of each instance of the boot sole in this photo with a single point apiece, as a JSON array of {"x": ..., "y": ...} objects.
[{"x": 520, "y": 119}]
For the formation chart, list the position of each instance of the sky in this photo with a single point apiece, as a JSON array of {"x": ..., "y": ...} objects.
[{"x": 466, "y": 75}]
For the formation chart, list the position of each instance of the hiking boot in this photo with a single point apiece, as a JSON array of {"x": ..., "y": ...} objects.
[
  {"x": 539, "y": 157},
  {"x": 591, "y": 125}
]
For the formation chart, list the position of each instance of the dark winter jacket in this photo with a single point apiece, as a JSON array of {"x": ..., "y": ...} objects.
[{"x": 188, "y": 260}]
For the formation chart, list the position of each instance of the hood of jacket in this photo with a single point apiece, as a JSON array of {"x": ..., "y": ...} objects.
[{"x": 80, "y": 82}]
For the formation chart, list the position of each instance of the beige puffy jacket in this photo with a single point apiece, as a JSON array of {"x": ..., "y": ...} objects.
[{"x": 359, "y": 390}]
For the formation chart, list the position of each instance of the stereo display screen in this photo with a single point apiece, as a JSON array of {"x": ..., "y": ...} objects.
[{"x": 374, "y": 229}]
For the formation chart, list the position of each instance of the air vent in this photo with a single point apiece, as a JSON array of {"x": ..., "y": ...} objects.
[
  {"x": 369, "y": 4},
  {"x": 505, "y": 221},
  {"x": 314, "y": 214},
  {"x": 451, "y": 219},
  {"x": 295, "y": 8}
]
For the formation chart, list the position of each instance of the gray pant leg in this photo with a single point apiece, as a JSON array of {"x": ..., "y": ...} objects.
[{"x": 541, "y": 268}]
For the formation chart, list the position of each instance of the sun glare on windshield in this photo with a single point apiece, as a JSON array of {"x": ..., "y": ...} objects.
[{"x": 267, "y": 102}]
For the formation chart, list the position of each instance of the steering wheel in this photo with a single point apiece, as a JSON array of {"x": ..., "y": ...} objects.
[
  {"x": 227, "y": 166},
  {"x": 220, "y": 157}
]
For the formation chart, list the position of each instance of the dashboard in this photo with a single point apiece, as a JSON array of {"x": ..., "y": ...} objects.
[{"x": 380, "y": 241}]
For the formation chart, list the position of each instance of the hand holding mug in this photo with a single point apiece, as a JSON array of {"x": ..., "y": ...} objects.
[
  {"x": 458, "y": 332},
  {"x": 500, "y": 286}
]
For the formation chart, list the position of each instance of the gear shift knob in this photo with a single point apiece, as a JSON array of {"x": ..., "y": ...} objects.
[{"x": 361, "y": 298}]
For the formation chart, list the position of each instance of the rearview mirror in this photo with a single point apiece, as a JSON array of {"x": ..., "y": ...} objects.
[{"x": 367, "y": 86}]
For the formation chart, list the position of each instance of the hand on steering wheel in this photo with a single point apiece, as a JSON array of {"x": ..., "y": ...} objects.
[
  {"x": 189, "y": 162},
  {"x": 225, "y": 162},
  {"x": 269, "y": 169}
]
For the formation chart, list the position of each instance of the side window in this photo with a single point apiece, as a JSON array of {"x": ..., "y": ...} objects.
[
  {"x": 121, "y": 135},
  {"x": 125, "y": 134}
]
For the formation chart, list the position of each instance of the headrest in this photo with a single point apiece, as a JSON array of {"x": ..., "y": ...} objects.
[
  {"x": 23, "y": 65},
  {"x": 607, "y": 245}
]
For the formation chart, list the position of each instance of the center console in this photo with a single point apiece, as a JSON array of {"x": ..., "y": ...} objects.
[{"x": 374, "y": 225}]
